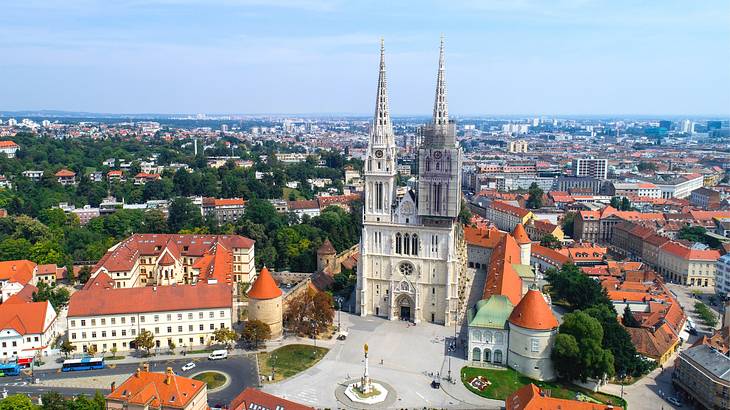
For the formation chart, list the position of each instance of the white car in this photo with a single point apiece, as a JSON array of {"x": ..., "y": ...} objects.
[{"x": 188, "y": 366}]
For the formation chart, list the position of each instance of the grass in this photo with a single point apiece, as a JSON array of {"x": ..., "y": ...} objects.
[
  {"x": 289, "y": 360},
  {"x": 507, "y": 381},
  {"x": 287, "y": 191},
  {"x": 199, "y": 351},
  {"x": 212, "y": 379},
  {"x": 118, "y": 357}
]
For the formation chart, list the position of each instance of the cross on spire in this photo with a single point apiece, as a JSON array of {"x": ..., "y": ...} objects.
[{"x": 440, "y": 105}]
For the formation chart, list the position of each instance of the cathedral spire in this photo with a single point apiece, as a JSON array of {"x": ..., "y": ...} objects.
[
  {"x": 382, "y": 128},
  {"x": 440, "y": 105}
]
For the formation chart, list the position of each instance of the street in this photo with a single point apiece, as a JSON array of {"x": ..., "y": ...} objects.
[{"x": 240, "y": 369}]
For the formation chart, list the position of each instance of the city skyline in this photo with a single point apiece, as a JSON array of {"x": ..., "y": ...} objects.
[{"x": 317, "y": 57}]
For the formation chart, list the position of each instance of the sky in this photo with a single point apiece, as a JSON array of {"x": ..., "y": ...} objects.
[{"x": 533, "y": 57}]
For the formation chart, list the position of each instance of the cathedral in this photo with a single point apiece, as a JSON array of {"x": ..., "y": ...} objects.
[{"x": 413, "y": 254}]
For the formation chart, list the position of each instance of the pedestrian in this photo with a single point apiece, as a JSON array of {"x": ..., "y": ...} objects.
[{"x": 381, "y": 361}]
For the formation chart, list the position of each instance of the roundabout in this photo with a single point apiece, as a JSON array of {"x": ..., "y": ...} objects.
[{"x": 215, "y": 380}]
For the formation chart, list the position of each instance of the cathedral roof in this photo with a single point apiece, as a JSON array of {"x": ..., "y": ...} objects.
[
  {"x": 533, "y": 313},
  {"x": 492, "y": 313},
  {"x": 264, "y": 287},
  {"x": 501, "y": 276},
  {"x": 521, "y": 235}
]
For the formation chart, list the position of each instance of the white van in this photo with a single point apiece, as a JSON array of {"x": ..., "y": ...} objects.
[{"x": 218, "y": 355}]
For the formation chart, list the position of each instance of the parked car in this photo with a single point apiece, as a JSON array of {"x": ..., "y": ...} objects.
[
  {"x": 342, "y": 336},
  {"x": 218, "y": 355},
  {"x": 675, "y": 401},
  {"x": 188, "y": 366}
]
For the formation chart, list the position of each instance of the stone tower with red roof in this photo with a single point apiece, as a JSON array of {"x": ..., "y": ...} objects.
[{"x": 265, "y": 302}]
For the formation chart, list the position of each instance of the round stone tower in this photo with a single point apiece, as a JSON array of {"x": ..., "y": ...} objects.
[
  {"x": 524, "y": 242},
  {"x": 327, "y": 257},
  {"x": 265, "y": 303}
]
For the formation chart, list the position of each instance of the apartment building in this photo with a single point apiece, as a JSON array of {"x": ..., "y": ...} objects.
[
  {"x": 590, "y": 167},
  {"x": 186, "y": 315},
  {"x": 26, "y": 328},
  {"x": 688, "y": 266},
  {"x": 703, "y": 373},
  {"x": 227, "y": 210},
  {"x": 507, "y": 216}
]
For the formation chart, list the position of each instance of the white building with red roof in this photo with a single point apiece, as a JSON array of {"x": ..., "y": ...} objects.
[
  {"x": 66, "y": 177},
  {"x": 151, "y": 390},
  {"x": 26, "y": 328},
  {"x": 9, "y": 148},
  {"x": 186, "y": 315},
  {"x": 162, "y": 259}
]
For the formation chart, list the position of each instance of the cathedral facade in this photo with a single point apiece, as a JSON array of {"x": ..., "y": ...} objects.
[{"x": 413, "y": 254}]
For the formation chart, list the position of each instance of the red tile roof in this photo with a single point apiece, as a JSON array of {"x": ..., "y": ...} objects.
[
  {"x": 684, "y": 252},
  {"x": 487, "y": 238},
  {"x": 157, "y": 390},
  {"x": 101, "y": 301},
  {"x": 501, "y": 276},
  {"x": 24, "y": 318},
  {"x": 65, "y": 173},
  {"x": 256, "y": 399},
  {"x": 20, "y": 271},
  {"x": 533, "y": 312},
  {"x": 509, "y": 209},
  {"x": 8, "y": 144},
  {"x": 326, "y": 248},
  {"x": 529, "y": 397},
  {"x": 520, "y": 235},
  {"x": 264, "y": 287}
]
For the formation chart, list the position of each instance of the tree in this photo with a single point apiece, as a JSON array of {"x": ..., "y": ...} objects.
[
  {"x": 578, "y": 353},
  {"x": 16, "y": 402},
  {"x": 154, "y": 221},
  {"x": 694, "y": 233},
  {"x": 67, "y": 347},
  {"x": 534, "y": 200},
  {"x": 255, "y": 331},
  {"x": 310, "y": 312},
  {"x": 464, "y": 214},
  {"x": 625, "y": 204},
  {"x": 145, "y": 340},
  {"x": 183, "y": 214},
  {"x": 225, "y": 336},
  {"x": 615, "y": 202},
  {"x": 628, "y": 318},
  {"x": 578, "y": 290},
  {"x": 91, "y": 350},
  {"x": 171, "y": 345},
  {"x": 56, "y": 295},
  {"x": 53, "y": 400},
  {"x": 113, "y": 351},
  {"x": 550, "y": 241},
  {"x": 567, "y": 223}
]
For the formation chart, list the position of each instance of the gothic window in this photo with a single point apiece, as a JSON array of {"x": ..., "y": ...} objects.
[
  {"x": 414, "y": 245},
  {"x": 398, "y": 245},
  {"x": 404, "y": 287},
  {"x": 406, "y": 244},
  {"x": 438, "y": 166},
  {"x": 428, "y": 164},
  {"x": 406, "y": 268}
]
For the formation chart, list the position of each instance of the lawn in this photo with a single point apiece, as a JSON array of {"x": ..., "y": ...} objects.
[
  {"x": 507, "y": 381},
  {"x": 289, "y": 360},
  {"x": 287, "y": 191},
  {"x": 212, "y": 379}
]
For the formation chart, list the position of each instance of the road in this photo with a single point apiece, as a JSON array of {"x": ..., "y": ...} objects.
[{"x": 241, "y": 370}]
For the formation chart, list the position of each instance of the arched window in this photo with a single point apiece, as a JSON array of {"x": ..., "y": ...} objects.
[
  {"x": 497, "y": 356},
  {"x": 488, "y": 337},
  {"x": 406, "y": 244},
  {"x": 476, "y": 355},
  {"x": 398, "y": 245},
  {"x": 414, "y": 245},
  {"x": 475, "y": 335},
  {"x": 498, "y": 338},
  {"x": 487, "y": 355}
]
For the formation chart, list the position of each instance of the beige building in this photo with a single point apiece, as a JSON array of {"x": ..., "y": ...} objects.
[
  {"x": 703, "y": 373},
  {"x": 161, "y": 259},
  {"x": 186, "y": 315},
  {"x": 687, "y": 266},
  {"x": 518, "y": 147},
  {"x": 265, "y": 303}
]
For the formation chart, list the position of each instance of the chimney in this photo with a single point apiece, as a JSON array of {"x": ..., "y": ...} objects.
[
  {"x": 114, "y": 386},
  {"x": 146, "y": 367},
  {"x": 168, "y": 375}
]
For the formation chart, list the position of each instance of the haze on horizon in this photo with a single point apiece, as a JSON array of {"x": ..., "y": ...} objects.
[{"x": 576, "y": 57}]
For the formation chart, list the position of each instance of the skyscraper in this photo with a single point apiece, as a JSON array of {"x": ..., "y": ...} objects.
[{"x": 412, "y": 250}]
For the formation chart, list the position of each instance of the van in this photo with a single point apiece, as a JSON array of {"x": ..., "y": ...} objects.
[{"x": 218, "y": 355}]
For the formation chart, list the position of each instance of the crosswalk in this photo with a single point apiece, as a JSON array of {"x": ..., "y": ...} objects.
[{"x": 308, "y": 395}]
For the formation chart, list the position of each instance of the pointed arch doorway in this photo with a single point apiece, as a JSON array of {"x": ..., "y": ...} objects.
[{"x": 405, "y": 308}]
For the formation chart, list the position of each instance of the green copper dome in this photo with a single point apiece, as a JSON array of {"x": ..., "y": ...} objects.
[{"x": 492, "y": 313}]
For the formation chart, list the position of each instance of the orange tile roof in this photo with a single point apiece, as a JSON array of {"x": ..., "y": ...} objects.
[
  {"x": 533, "y": 312},
  {"x": 20, "y": 271},
  {"x": 548, "y": 253},
  {"x": 264, "y": 287},
  {"x": 103, "y": 301},
  {"x": 256, "y": 399},
  {"x": 24, "y": 318},
  {"x": 157, "y": 390},
  {"x": 520, "y": 235},
  {"x": 229, "y": 201},
  {"x": 529, "y": 397},
  {"x": 509, "y": 209},
  {"x": 8, "y": 144},
  {"x": 65, "y": 173},
  {"x": 684, "y": 252},
  {"x": 655, "y": 343},
  {"x": 501, "y": 276},
  {"x": 487, "y": 238}
]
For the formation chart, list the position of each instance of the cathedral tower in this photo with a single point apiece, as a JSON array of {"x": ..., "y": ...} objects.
[
  {"x": 380, "y": 164},
  {"x": 439, "y": 160}
]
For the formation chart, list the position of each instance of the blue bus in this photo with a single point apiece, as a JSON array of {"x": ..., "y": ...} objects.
[
  {"x": 9, "y": 369},
  {"x": 87, "y": 363}
]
